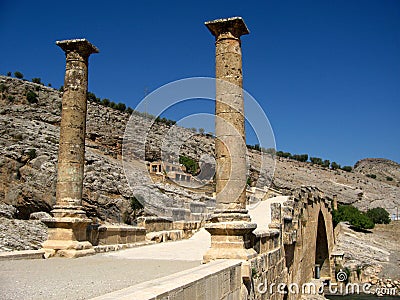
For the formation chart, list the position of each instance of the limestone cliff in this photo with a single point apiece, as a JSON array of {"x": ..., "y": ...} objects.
[{"x": 28, "y": 158}]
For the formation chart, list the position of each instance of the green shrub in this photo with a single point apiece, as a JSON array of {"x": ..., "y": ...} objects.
[
  {"x": 18, "y": 75},
  {"x": 248, "y": 181},
  {"x": 91, "y": 97},
  {"x": 32, "y": 154},
  {"x": 335, "y": 166},
  {"x": 316, "y": 160},
  {"x": 32, "y": 97},
  {"x": 11, "y": 98},
  {"x": 300, "y": 157},
  {"x": 129, "y": 110},
  {"x": 388, "y": 178},
  {"x": 284, "y": 154},
  {"x": 347, "y": 168},
  {"x": 121, "y": 107},
  {"x": 9, "y": 74},
  {"x": 105, "y": 102},
  {"x": 37, "y": 80},
  {"x": 373, "y": 176},
  {"x": 326, "y": 163},
  {"x": 191, "y": 165},
  {"x": 135, "y": 204},
  {"x": 379, "y": 215},
  {"x": 3, "y": 88},
  {"x": 349, "y": 213}
]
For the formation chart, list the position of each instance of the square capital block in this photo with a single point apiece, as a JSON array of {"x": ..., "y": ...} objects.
[
  {"x": 81, "y": 46},
  {"x": 234, "y": 25}
]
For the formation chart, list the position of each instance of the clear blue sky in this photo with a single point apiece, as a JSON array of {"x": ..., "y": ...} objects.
[{"x": 327, "y": 73}]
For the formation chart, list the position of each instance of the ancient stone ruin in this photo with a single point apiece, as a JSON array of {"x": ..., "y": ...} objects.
[
  {"x": 230, "y": 224},
  {"x": 67, "y": 228}
]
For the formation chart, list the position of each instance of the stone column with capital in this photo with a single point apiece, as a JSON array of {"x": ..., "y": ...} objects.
[
  {"x": 67, "y": 227},
  {"x": 230, "y": 224}
]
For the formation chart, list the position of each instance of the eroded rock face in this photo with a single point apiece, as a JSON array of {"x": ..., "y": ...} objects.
[
  {"x": 28, "y": 160},
  {"x": 374, "y": 253},
  {"x": 19, "y": 234},
  {"x": 29, "y": 134}
]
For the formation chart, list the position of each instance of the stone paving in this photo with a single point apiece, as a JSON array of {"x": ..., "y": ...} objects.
[{"x": 91, "y": 276}]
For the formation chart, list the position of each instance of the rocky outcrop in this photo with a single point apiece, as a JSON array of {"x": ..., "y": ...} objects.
[
  {"x": 385, "y": 170},
  {"x": 28, "y": 155},
  {"x": 28, "y": 159},
  {"x": 18, "y": 234},
  {"x": 373, "y": 254}
]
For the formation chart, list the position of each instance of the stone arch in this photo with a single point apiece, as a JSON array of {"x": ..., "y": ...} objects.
[
  {"x": 321, "y": 248},
  {"x": 307, "y": 235}
]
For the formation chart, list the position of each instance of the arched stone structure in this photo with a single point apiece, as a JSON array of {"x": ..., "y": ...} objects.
[
  {"x": 308, "y": 237},
  {"x": 299, "y": 236}
]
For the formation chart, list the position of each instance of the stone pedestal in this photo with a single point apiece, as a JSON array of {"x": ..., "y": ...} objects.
[
  {"x": 67, "y": 227},
  {"x": 230, "y": 224},
  {"x": 67, "y": 237},
  {"x": 230, "y": 240}
]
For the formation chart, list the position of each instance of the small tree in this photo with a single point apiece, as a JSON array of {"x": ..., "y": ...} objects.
[
  {"x": 190, "y": 164},
  {"x": 201, "y": 131},
  {"x": 373, "y": 176},
  {"x": 316, "y": 160},
  {"x": 326, "y": 163},
  {"x": 105, "y": 102},
  {"x": 334, "y": 165},
  {"x": 31, "y": 97},
  {"x": 347, "y": 168},
  {"x": 121, "y": 106},
  {"x": 18, "y": 75},
  {"x": 388, "y": 178},
  {"x": 37, "y": 80},
  {"x": 352, "y": 215},
  {"x": 379, "y": 215},
  {"x": 8, "y": 73},
  {"x": 129, "y": 110},
  {"x": 284, "y": 154},
  {"x": 91, "y": 97}
]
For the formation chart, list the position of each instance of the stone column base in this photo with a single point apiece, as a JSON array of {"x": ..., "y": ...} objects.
[
  {"x": 229, "y": 240},
  {"x": 67, "y": 237}
]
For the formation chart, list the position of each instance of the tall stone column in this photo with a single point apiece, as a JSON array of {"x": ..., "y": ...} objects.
[
  {"x": 230, "y": 225},
  {"x": 67, "y": 228}
]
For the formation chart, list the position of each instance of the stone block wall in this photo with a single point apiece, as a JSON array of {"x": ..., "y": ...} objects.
[
  {"x": 115, "y": 234},
  {"x": 153, "y": 224}
]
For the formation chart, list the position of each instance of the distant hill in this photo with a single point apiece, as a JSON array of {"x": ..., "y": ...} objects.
[{"x": 385, "y": 170}]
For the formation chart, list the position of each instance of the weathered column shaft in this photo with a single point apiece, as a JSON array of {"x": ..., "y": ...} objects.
[
  {"x": 230, "y": 146},
  {"x": 71, "y": 154},
  {"x": 67, "y": 228},
  {"x": 229, "y": 226}
]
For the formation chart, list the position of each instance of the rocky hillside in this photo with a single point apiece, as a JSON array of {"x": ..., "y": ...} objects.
[
  {"x": 29, "y": 133},
  {"x": 382, "y": 169},
  {"x": 28, "y": 156}
]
